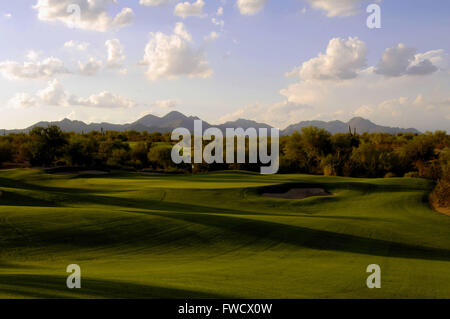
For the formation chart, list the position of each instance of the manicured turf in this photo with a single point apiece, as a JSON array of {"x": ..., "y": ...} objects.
[{"x": 214, "y": 235}]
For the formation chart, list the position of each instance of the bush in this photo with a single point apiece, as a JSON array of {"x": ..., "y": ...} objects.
[
  {"x": 329, "y": 170},
  {"x": 442, "y": 193},
  {"x": 412, "y": 175},
  {"x": 160, "y": 156},
  {"x": 390, "y": 175},
  {"x": 5, "y": 152}
]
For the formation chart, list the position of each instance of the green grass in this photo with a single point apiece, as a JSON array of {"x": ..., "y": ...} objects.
[{"x": 213, "y": 236}]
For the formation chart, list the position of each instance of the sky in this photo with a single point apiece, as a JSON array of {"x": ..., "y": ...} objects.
[{"x": 273, "y": 61}]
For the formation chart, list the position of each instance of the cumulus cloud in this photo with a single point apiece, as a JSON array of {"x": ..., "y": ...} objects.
[
  {"x": 438, "y": 58},
  {"x": 80, "y": 46},
  {"x": 392, "y": 93},
  {"x": 250, "y": 7},
  {"x": 55, "y": 95},
  {"x": 154, "y": 3},
  {"x": 32, "y": 69},
  {"x": 401, "y": 60},
  {"x": 218, "y": 22},
  {"x": 342, "y": 60},
  {"x": 22, "y": 100},
  {"x": 212, "y": 36},
  {"x": 32, "y": 55},
  {"x": 408, "y": 109},
  {"x": 166, "y": 104},
  {"x": 115, "y": 53},
  {"x": 333, "y": 8},
  {"x": 90, "y": 68},
  {"x": 385, "y": 100},
  {"x": 105, "y": 100},
  {"x": 172, "y": 56},
  {"x": 91, "y": 15},
  {"x": 187, "y": 9}
]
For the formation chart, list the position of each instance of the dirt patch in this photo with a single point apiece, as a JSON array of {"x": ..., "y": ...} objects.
[{"x": 298, "y": 193}]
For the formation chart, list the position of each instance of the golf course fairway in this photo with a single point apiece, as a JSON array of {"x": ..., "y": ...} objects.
[{"x": 214, "y": 235}]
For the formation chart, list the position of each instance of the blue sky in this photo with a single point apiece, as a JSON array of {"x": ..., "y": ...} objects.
[{"x": 241, "y": 73}]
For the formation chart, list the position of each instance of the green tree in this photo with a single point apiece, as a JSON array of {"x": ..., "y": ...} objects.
[
  {"x": 81, "y": 150},
  {"x": 160, "y": 156},
  {"x": 47, "y": 144},
  {"x": 139, "y": 155},
  {"x": 5, "y": 151}
]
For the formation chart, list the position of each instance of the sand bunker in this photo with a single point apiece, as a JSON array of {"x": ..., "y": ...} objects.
[{"x": 298, "y": 193}]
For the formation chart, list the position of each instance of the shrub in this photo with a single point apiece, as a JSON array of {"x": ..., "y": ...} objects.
[
  {"x": 329, "y": 170},
  {"x": 390, "y": 175},
  {"x": 412, "y": 175},
  {"x": 442, "y": 193},
  {"x": 5, "y": 152}
]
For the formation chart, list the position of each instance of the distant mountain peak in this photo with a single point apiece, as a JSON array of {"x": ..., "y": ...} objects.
[
  {"x": 152, "y": 123},
  {"x": 360, "y": 124},
  {"x": 174, "y": 114}
]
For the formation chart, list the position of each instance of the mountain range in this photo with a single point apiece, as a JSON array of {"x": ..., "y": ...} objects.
[{"x": 169, "y": 122}]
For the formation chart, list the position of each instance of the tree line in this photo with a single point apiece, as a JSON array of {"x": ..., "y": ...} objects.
[{"x": 311, "y": 151}]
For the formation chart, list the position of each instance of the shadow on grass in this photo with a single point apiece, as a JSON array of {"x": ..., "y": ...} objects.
[
  {"x": 15, "y": 199},
  {"x": 312, "y": 238},
  {"x": 49, "y": 286}
]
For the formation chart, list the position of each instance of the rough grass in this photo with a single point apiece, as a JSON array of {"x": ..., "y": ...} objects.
[{"x": 214, "y": 235}]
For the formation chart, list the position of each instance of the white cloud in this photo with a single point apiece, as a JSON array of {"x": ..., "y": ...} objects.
[
  {"x": 154, "y": 3},
  {"x": 336, "y": 8},
  {"x": 342, "y": 60},
  {"x": 187, "y": 9},
  {"x": 181, "y": 31},
  {"x": 22, "y": 100},
  {"x": 379, "y": 93},
  {"x": 409, "y": 110},
  {"x": 171, "y": 56},
  {"x": 33, "y": 69},
  {"x": 250, "y": 7},
  {"x": 32, "y": 55},
  {"x": 55, "y": 95},
  {"x": 115, "y": 53},
  {"x": 105, "y": 100},
  {"x": 437, "y": 57},
  {"x": 218, "y": 22},
  {"x": 80, "y": 46},
  {"x": 385, "y": 100},
  {"x": 365, "y": 111},
  {"x": 93, "y": 14},
  {"x": 90, "y": 68},
  {"x": 212, "y": 36},
  {"x": 401, "y": 60},
  {"x": 166, "y": 104}
]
